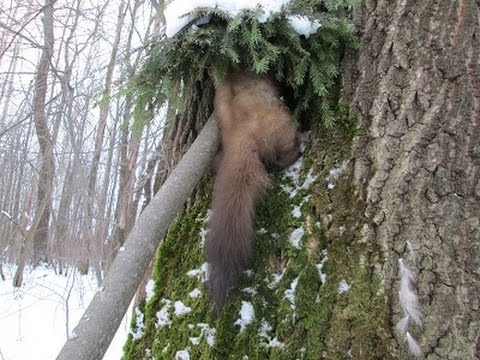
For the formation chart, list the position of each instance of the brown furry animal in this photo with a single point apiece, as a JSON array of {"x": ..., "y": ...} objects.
[{"x": 256, "y": 130}]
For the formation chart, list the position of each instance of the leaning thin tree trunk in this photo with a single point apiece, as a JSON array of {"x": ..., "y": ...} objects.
[
  {"x": 45, "y": 175},
  {"x": 100, "y": 322},
  {"x": 416, "y": 91}
]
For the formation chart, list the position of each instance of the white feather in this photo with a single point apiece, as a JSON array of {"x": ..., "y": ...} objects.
[
  {"x": 410, "y": 249},
  {"x": 402, "y": 325},
  {"x": 408, "y": 298},
  {"x": 413, "y": 345},
  {"x": 410, "y": 306}
]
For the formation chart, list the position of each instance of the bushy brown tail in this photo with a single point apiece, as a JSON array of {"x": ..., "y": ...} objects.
[{"x": 241, "y": 180}]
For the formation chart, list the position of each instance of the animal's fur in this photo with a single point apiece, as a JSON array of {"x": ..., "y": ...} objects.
[{"x": 256, "y": 130}]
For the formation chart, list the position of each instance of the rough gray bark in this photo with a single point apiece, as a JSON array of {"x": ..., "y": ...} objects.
[
  {"x": 415, "y": 89},
  {"x": 100, "y": 322},
  {"x": 46, "y": 172}
]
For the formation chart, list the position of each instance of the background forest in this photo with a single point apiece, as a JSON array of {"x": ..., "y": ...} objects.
[{"x": 74, "y": 168}]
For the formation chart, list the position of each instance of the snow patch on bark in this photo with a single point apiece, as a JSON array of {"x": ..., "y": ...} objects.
[
  {"x": 247, "y": 315},
  {"x": 320, "y": 265},
  {"x": 208, "y": 333},
  {"x": 333, "y": 176},
  {"x": 149, "y": 290},
  {"x": 163, "y": 316},
  {"x": 137, "y": 333},
  {"x": 276, "y": 279},
  {"x": 343, "y": 286},
  {"x": 290, "y": 293},
  {"x": 296, "y": 237},
  {"x": 201, "y": 274},
  {"x": 195, "y": 293},
  {"x": 182, "y": 355},
  {"x": 181, "y": 309}
]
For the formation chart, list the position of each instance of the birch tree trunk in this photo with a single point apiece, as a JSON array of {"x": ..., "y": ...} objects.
[{"x": 415, "y": 90}]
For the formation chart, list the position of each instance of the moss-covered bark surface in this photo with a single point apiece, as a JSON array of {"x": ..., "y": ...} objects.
[{"x": 312, "y": 291}]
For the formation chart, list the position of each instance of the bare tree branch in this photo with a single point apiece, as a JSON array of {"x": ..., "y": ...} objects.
[{"x": 18, "y": 32}]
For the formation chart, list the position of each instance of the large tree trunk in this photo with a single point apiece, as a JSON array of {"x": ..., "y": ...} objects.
[
  {"x": 415, "y": 89},
  {"x": 373, "y": 252},
  {"x": 46, "y": 172}
]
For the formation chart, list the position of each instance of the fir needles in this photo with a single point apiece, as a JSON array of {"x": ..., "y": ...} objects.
[{"x": 301, "y": 46}]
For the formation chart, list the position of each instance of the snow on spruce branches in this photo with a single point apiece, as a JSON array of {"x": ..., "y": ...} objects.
[
  {"x": 180, "y": 13},
  {"x": 300, "y": 43}
]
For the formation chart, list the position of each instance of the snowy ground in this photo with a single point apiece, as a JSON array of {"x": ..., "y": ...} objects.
[{"x": 35, "y": 319}]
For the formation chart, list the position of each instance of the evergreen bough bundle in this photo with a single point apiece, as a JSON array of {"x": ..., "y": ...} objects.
[{"x": 308, "y": 66}]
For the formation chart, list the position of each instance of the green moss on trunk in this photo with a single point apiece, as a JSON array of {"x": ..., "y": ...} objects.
[{"x": 312, "y": 284}]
